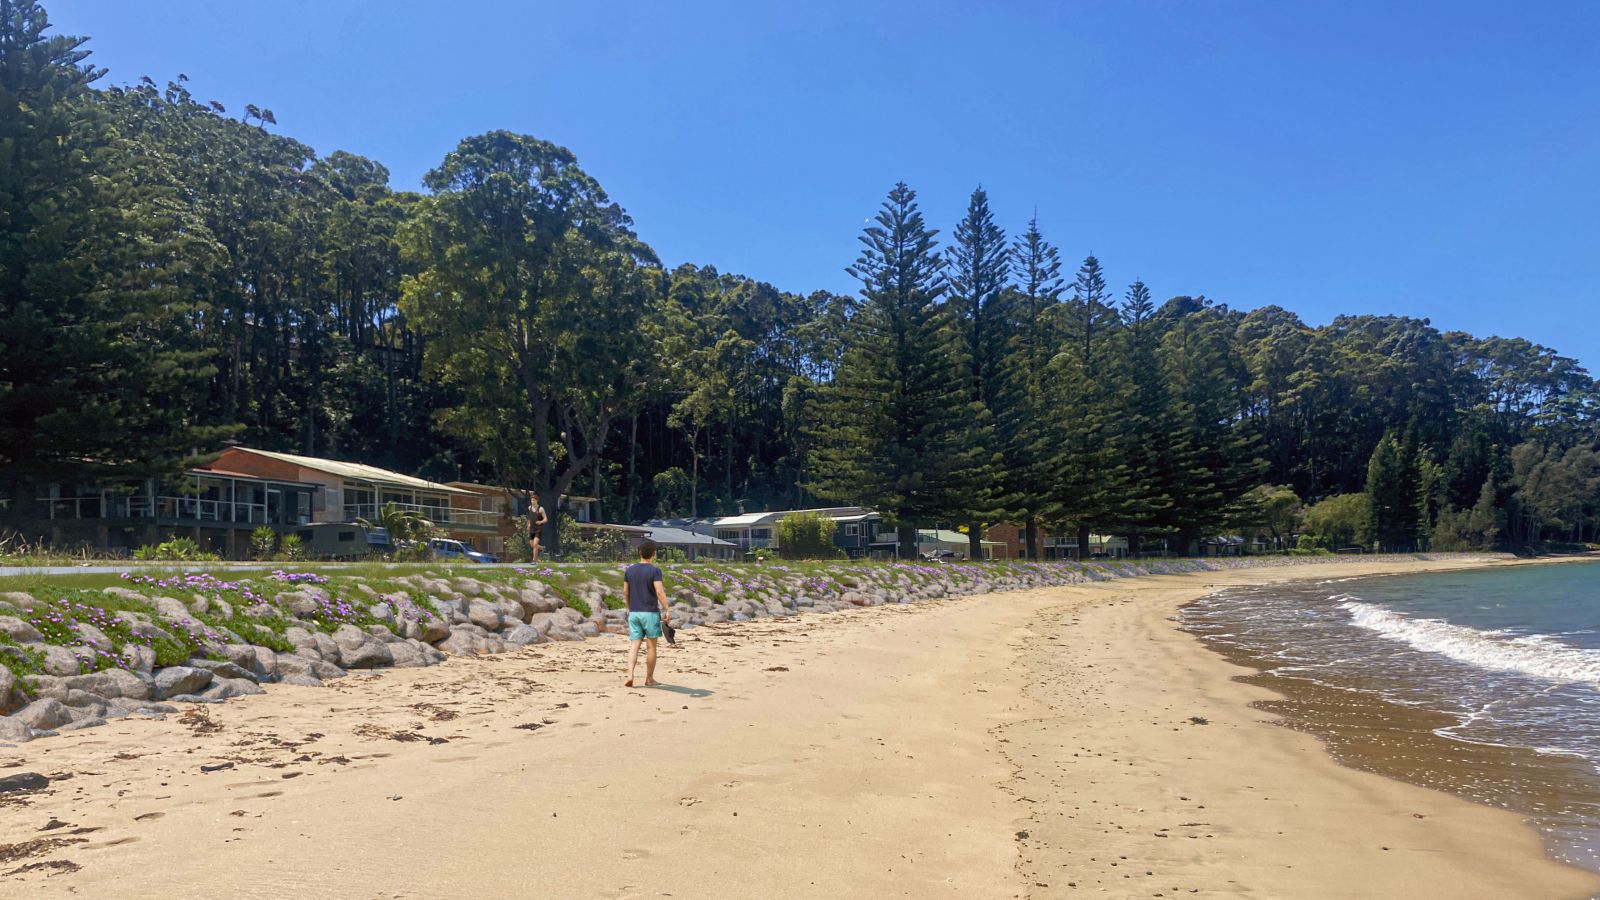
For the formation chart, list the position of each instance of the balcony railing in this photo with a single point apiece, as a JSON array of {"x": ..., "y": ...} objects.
[
  {"x": 193, "y": 509},
  {"x": 438, "y": 515}
]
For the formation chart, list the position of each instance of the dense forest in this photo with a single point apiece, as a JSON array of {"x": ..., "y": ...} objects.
[{"x": 174, "y": 274}]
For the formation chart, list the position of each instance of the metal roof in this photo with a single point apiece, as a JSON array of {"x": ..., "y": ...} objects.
[
  {"x": 664, "y": 535},
  {"x": 356, "y": 471}
]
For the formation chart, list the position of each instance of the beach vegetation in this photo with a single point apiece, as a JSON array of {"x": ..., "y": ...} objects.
[{"x": 213, "y": 278}]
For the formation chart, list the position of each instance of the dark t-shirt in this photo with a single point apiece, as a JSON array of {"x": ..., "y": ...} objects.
[{"x": 641, "y": 578}]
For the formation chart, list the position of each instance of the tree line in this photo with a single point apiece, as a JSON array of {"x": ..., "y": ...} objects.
[{"x": 174, "y": 275}]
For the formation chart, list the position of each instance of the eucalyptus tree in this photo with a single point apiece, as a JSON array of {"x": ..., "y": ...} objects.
[{"x": 531, "y": 288}]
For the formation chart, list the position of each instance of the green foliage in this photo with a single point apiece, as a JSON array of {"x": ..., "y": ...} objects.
[
  {"x": 892, "y": 427},
  {"x": 807, "y": 535},
  {"x": 172, "y": 275},
  {"x": 21, "y": 660},
  {"x": 291, "y": 549},
  {"x": 530, "y": 286},
  {"x": 1338, "y": 522},
  {"x": 263, "y": 542},
  {"x": 176, "y": 549}
]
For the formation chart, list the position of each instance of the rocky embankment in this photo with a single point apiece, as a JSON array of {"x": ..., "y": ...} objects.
[{"x": 78, "y": 658}]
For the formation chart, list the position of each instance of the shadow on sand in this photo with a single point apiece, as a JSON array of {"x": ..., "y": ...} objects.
[{"x": 680, "y": 689}]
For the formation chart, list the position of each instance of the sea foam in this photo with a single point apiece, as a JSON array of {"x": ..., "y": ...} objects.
[{"x": 1531, "y": 654}]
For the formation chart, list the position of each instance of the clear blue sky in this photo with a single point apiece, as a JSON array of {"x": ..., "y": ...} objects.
[{"x": 1431, "y": 159}]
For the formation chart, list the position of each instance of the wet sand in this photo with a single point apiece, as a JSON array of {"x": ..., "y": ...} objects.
[{"x": 1062, "y": 742}]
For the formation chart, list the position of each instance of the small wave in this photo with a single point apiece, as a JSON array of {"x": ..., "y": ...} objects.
[{"x": 1501, "y": 651}]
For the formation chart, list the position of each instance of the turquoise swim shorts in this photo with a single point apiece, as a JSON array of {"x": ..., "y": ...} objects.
[{"x": 644, "y": 625}]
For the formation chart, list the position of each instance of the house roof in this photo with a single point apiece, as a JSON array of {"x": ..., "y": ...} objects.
[
  {"x": 242, "y": 476},
  {"x": 837, "y": 513},
  {"x": 355, "y": 471},
  {"x": 677, "y": 536}
]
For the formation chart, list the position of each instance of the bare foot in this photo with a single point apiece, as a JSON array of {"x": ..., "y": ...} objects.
[
  {"x": 652, "y": 683},
  {"x": 628, "y": 683}
]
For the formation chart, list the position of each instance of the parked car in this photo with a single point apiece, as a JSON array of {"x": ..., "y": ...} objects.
[{"x": 445, "y": 548}]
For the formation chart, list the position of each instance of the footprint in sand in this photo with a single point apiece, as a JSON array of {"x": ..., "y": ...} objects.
[
  {"x": 148, "y": 817},
  {"x": 636, "y": 854},
  {"x": 689, "y": 801},
  {"x": 116, "y": 843}
]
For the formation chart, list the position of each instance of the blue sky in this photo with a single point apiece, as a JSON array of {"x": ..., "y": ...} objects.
[{"x": 1429, "y": 159}]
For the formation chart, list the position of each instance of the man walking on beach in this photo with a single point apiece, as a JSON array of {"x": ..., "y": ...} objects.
[{"x": 647, "y": 608}]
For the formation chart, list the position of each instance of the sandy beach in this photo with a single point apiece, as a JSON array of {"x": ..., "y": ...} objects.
[{"x": 1051, "y": 743}]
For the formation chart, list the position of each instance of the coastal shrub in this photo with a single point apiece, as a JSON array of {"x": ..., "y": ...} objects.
[
  {"x": 1340, "y": 521},
  {"x": 19, "y": 659},
  {"x": 263, "y": 542},
  {"x": 291, "y": 548},
  {"x": 612, "y": 601},
  {"x": 174, "y": 549}
]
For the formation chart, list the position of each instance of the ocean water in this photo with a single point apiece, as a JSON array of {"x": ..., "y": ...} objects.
[{"x": 1510, "y": 657}]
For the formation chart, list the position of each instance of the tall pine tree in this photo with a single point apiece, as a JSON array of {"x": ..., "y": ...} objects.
[
  {"x": 99, "y": 367},
  {"x": 984, "y": 326},
  {"x": 1089, "y": 471},
  {"x": 892, "y": 427},
  {"x": 1029, "y": 437}
]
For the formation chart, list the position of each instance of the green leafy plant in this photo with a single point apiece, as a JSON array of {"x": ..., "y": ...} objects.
[{"x": 263, "y": 542}]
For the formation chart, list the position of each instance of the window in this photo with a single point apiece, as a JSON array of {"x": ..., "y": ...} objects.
[
  {"x": 761, "y": 534},
  {"x": 852, "y": 531},
  {"x": 727, "y": 534},
  {"x": 346, "y": 536}
]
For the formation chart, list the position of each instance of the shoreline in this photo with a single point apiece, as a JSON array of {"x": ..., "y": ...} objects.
[
  {"x": 1161, "y": 767},
  {"x": 918, "y": 750},
  {"x": 1554, "y": 791}
]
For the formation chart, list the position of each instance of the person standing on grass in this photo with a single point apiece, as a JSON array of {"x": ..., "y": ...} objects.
[{"x": 646, "y": 595}]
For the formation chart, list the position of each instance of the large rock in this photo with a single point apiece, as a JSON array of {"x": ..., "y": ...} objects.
[
  {"x": 511, "y": 611},
  {"x": 224, "y": 668},
  {"x": 44, "y": 714},
  {"x": 359, "y": 650},
  {"x": 10, "y": 697},
  {"x": 522, "y": 635},
  {"x": 241, "y": 655},
  {"x": 266, "y": 663},
  {"x": 228, "y": 688},
  {"x": 175, "y": 680},
  {"x": 328, "y": 648},
  {"x": 383, "y": 614},
  {"x": 175, "y": 612},
  {"x": 484, "y": 615},
  {"x": 300, "y": 638},
  {"x": 18, "y": 630},
  {"x": 301, "y": 681},
  {"x": 110, "y": 683},
  {"x": 294, "y": 665},
  {"x": 58, "y": 661},
  {"x": 14, "y": 730},
  {"x": 536, "y": 601},
  {"x": 302, "y": 603},
  {"x": 139, "y": 658},
  {"x": 126, "y": 594},
  {"x": 94, "y": 721},
  {"x": 406, "y": 655}
]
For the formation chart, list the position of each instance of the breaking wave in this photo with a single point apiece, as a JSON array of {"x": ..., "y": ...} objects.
[{"x": 1501, "y": 651}]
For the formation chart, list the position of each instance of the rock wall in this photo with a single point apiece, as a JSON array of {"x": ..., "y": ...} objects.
[{"x": 138, "y": 650}]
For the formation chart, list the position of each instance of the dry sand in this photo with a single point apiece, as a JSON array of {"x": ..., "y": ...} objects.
[{"x": 1039, "y": 744}]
